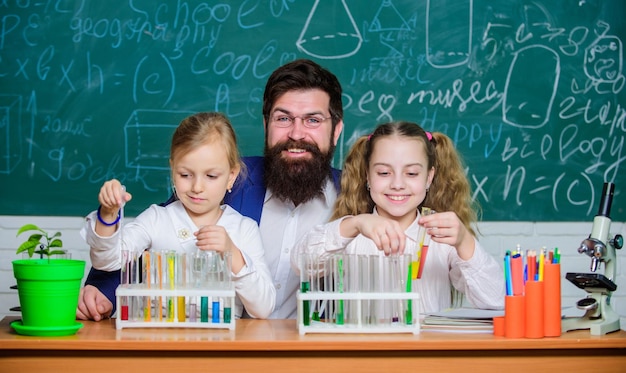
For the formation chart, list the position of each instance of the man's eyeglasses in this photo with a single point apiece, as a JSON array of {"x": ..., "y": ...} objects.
[{"x": 309, "y": 121}]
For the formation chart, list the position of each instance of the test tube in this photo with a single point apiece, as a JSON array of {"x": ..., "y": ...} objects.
[
  {"x": 365, "y": 274},
  {"x": 227, "y": 283},
  {"x": 146, "y": 272},
  {"x": 339, "y": 278},
  {"x": 423, "y": 245},
  {"x": 196, "y": 272},
  {"x": 215, "y": 316},
  {"x": 306, "y": 268},
  {"x": 136, "y": 302},
  {"x": 158, "y": 275},
  {"x": 329, "y": 286},
  {"x": 170, "y": 284},
  {"x": 352, "y": 270},
  {"x": 124, "y": 281},
  {"x": 181, "y": 282}
]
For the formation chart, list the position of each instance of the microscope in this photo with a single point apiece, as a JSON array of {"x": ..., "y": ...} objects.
[{"x": 599, "y": 317}]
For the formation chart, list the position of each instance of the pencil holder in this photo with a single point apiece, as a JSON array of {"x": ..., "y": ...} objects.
[
  {"x": 498, "y": 326},
  {"x": 534, "y": 309},
  {"x": 514, "y": 317},
  {"x": 552, "y": 300}
]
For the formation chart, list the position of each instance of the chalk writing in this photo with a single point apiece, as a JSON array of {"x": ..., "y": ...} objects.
[{"x": 532, "y": 93}]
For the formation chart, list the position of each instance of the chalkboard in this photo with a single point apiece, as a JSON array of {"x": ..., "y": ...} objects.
[{"x": 532, "y": 92}]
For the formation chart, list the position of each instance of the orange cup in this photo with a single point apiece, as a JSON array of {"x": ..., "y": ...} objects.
[
  {"x": 552, "y": 300},
  {"x": 514, "y": 317},
  {"x": 498, "y": 326},
  {"x": 534, "y": 309}
]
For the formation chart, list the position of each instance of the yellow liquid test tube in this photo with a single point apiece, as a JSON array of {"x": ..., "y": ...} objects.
[
  {"x": 147, "y": 308},
  {"x": 171, "y": 278},
  {"x": 181, "y": 282},
  {"x": 159, "y": 280}
]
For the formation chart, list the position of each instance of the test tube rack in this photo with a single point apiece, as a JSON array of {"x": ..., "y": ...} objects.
[
  {"x": 356, "y": 319},
  {"x": 168, "y": 289},
  {"x": 145, "y": 301},
  {"x": 352, "y": 293}
]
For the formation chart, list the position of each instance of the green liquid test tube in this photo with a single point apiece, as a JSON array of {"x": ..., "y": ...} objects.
[
  {"x": 227, "y": 315},
  {"x": 204, "y": 309},
  {"x": 305, "y": 286}
]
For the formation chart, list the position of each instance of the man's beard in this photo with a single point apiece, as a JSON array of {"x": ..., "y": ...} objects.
[{"x": 297, "y": 180}]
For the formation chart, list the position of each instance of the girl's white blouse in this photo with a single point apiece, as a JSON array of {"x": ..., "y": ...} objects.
[
  {"x": 480, "y": 279},
  {"x": 171, "y": 228}
]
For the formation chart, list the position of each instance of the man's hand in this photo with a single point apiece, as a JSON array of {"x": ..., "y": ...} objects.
[{"x": 93, "y": 305}]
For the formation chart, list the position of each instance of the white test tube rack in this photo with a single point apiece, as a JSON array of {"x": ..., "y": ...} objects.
[
  {"x": 187, "y": 299},
  {"x": 137, "y": 294},
  {"x": 348, "y": 293},
  {"x": 359, "y": 323}
]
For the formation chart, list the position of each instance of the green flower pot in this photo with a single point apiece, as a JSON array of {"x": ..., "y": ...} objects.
[{"x": 48, "y": 290}]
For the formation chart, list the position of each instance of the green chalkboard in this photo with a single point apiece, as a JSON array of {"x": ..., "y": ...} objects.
[{"x": 532, "y": 92}]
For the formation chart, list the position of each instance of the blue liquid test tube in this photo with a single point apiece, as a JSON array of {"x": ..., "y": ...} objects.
[{"x": 216, "y": 311}]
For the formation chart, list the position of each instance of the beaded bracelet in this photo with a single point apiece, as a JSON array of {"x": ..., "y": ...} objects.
[{"x": 104, "y": 222}]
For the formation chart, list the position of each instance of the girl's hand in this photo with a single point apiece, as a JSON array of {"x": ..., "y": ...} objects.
[
  {"x": 112, "y": 197},
  {"x": 447, "y": 228},
  {"x": 386, "y": 233},
  {"x": 214, "y": 238}
]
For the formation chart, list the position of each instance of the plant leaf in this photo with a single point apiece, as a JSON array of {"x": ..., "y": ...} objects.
[
  {"x": 57, "y": 252},
  {"x": 27, "y": 245},
  {"x": 56, "y": 243},
  {"x": 28, "y": 227},
  {"x": 36, "y": 237}
]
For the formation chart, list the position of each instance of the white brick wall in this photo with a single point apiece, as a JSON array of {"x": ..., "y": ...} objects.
[{"x": 497, "y": 237}]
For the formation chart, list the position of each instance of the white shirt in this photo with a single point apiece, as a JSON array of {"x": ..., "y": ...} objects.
[
  {"x": 480, "y": 279},
  {"x": 170, "y": 228},
  {"x": 282, "y": 225}
]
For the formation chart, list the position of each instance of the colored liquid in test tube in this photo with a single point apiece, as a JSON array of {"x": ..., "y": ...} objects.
[
  {"x": 216, "y": 310},
  {"x": 171, "y": 278},
  {"x": 340, "y": 289},
  {"x": 227, "y": 265},
  {"x": 125, "y": 281},
  {"x": 423, "y": 252},
  {"x": 181, "y": 282},
  {"x": 423, "y": 241},
  {"x": 146, "y": 279},
  {"x": 126, "y": 261},
  {"x": 305, "y": 286}
]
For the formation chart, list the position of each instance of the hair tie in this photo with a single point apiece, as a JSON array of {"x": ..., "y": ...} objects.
[
  {"x": 429, "y": 136},
  {"x": 369, "y": 137}
]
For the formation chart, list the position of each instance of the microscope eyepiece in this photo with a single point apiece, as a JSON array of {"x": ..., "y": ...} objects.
[{"x": 606, "y": 200}]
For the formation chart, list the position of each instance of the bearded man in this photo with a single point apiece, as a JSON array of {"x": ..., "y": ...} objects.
[{"x": 293, "y": 187}]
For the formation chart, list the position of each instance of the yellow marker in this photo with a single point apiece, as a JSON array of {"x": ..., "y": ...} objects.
[{"x": 542, "y": 258}]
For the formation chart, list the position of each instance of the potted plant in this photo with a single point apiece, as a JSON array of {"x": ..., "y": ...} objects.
[{"x": 48, "y": 288}]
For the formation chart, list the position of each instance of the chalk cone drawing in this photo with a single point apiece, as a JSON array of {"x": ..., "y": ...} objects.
[
  {"x": 330, "y": 31},
  {"x": 448, "y": 32},
  {"x": 388, "y": 18}
]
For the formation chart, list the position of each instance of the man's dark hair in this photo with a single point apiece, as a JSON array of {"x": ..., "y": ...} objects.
[{"x": 300, "y": 75}]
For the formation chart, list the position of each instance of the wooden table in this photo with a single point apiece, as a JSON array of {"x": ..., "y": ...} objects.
[{"x": 276, "y": 346}]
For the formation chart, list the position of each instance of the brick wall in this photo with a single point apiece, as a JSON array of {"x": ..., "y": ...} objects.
[{"x": 497, "y": 237}]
